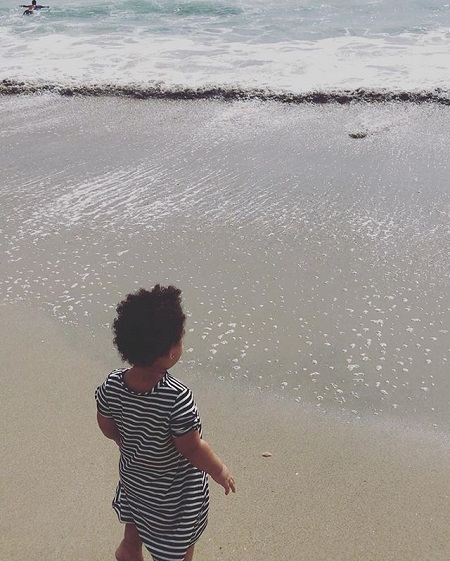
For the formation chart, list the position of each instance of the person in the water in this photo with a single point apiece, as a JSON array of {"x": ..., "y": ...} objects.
[{"x": 30, "y": 8}]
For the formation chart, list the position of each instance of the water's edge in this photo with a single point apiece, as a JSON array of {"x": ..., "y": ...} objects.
[{"x": 158, "y": 91}]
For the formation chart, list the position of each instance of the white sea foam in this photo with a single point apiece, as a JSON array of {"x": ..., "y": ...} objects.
[{"x": 238, "y": 44}]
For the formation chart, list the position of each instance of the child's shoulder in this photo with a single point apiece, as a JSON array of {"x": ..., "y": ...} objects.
[
  {"x": 175, "y": 384},
  {"x": 111, "y": 384},
  {"x": 115, "y": 375}
]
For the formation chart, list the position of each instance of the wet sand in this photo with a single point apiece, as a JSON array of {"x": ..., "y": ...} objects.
[
  {"x": 315, "y": 264},
  {"x": 314, "y": 268}
]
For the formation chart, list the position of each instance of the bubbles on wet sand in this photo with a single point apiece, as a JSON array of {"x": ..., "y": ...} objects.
[{"x": 307, "y": 272}]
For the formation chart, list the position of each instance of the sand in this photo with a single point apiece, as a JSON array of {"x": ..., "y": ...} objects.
[
  {"x": 297, "y": 250},
  {"x": 329, "y": 490}
]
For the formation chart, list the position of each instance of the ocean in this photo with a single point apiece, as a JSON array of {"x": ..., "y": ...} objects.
[{"x": 239, "y": 47}]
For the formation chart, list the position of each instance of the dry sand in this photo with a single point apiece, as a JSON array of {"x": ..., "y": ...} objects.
[{"x": 330, "y": 490}]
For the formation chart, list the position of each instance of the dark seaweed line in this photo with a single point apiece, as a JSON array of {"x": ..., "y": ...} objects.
[{"x": 12, "y": 87}]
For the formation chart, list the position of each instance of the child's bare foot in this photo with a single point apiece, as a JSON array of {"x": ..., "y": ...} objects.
[{"x": 126, "y": 553}]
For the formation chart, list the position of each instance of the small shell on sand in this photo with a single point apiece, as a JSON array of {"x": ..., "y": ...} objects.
[{"x": 266, "y": 454}]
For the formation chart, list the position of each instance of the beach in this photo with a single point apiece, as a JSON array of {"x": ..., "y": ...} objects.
[{"x": 311, "y": 245}]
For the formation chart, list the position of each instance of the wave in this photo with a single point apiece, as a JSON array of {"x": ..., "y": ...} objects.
[{"x": 158, "y": 91}]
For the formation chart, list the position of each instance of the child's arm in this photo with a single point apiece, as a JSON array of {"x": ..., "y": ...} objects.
[
  {"x": 200, "y": 454},
  {"x": 108, "y": 428}
]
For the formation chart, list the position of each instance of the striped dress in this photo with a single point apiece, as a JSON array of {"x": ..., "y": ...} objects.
[{"x": 159, "y": 491}]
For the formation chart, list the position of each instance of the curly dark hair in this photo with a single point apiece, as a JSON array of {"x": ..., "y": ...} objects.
[{"x": 148, "y": 324}]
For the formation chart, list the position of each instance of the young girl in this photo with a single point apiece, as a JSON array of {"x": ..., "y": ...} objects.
[{"x": 162, "y": 496}]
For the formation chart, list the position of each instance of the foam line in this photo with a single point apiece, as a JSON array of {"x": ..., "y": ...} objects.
[{"x": 343, "y": 97}]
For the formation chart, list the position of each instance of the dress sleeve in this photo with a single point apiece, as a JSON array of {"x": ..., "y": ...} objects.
[
  {"x": 102, "y": 400},
  {"x": 184, "y": 416}
]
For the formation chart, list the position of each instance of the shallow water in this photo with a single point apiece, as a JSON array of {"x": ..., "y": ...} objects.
[{"x": 314, "y": 265}]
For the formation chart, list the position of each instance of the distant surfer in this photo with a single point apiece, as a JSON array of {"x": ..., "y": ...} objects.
[{"x": 33, "y": 7}]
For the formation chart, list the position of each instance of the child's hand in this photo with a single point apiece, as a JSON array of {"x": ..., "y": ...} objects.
[{"x": 226, "y": 480}]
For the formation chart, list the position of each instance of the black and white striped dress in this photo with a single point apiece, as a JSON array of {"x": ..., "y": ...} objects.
[{"x": 159, "y": 491}]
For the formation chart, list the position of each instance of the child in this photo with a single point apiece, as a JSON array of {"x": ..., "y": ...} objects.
[{"x": 162, "y": 496}]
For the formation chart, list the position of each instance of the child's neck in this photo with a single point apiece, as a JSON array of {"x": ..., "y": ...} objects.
[{"x": 143, "y": 378}]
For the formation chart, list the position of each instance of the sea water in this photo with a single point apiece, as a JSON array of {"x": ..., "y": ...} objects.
[{"x": 278, "y": 45}]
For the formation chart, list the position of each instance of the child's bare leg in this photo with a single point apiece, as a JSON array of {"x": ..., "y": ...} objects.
[
  {"x": 130, "y": 548},
  {"x": 189, "y": 554}
]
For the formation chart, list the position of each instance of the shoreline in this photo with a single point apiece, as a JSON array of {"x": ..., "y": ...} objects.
[{"x": 438, "y": 96}]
